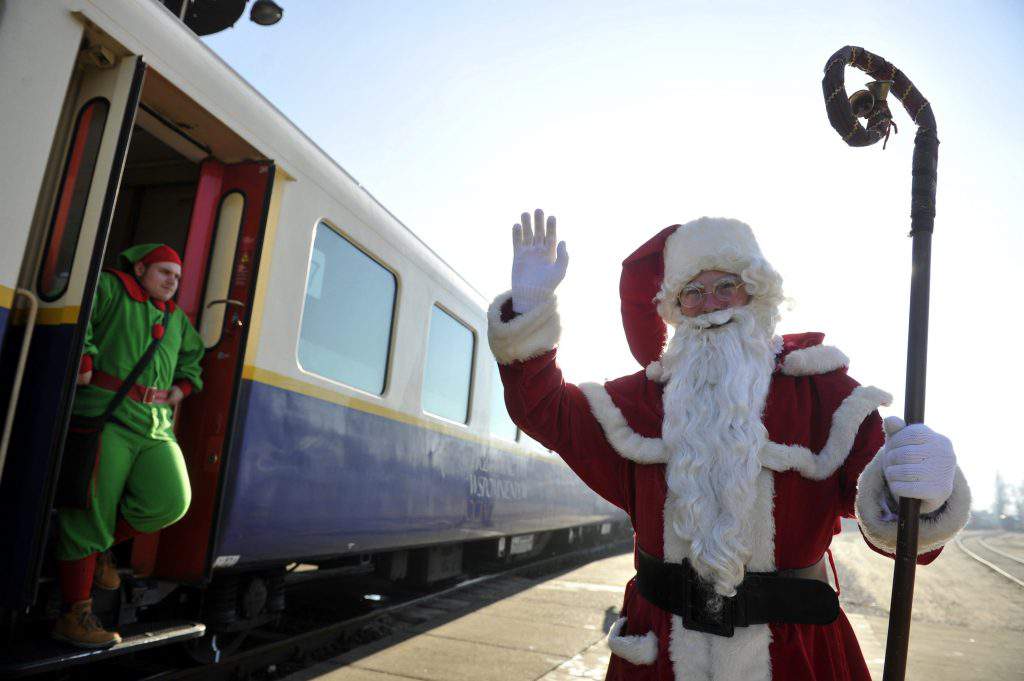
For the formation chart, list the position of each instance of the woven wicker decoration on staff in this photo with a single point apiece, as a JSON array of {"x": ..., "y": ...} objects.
[{"x": 843, "y": 114}]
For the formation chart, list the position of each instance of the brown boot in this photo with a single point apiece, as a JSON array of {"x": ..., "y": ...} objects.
[
  {"x": 106, "y": 576},
  {"x": 79, "y": 627}
]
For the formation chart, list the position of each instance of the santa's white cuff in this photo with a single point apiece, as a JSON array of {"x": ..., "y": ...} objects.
[
  {"x": 525, "y": 336},
  {"x": 640, "y": 650},
  {"x": 934, "y": 529}
]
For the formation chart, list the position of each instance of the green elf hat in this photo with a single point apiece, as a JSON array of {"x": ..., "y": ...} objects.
[{"x": 148, "y": 254}]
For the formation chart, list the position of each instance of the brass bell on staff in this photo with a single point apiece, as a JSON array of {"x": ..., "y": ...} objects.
[{"x": 863, "y": 101}]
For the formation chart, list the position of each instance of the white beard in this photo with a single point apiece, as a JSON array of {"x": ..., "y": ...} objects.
[{"x": 717, "y": 383}]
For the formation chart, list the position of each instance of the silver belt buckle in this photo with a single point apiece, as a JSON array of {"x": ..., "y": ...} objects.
[{"x": 150, "y": 395}]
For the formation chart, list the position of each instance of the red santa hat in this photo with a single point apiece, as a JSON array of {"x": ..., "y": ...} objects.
[{"x": 655, "y": 273}]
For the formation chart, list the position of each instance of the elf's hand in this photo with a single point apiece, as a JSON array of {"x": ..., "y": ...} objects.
[
  {"x": 918, "y": 463},
  {"x": 538, "y": 265}
]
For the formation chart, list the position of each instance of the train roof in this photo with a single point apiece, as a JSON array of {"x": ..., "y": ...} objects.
[{"x": 180, "y": 57}]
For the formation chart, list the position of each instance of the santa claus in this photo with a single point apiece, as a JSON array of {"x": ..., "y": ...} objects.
[{"x": 735, "y": 453}]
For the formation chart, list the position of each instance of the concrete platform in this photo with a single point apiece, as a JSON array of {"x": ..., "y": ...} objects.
[
  {"x": 944, "y": 653},
  {"x": 550, "y": 630},
  {"x": 553, "y": 630}
]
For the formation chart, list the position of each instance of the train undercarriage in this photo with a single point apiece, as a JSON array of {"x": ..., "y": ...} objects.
[{"x": 204, "y": 624}]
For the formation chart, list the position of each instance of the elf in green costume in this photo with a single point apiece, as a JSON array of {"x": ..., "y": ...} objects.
[{"x": 141, "y": 484}]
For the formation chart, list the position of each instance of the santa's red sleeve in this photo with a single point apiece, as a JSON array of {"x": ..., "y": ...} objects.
[{"x": 544, "y": 406}]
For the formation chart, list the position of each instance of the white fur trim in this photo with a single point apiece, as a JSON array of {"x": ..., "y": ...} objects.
[
  {"x": 746, "y": 655},
  {"x": 818, "y": 359},
  {"x": 640, "y": 650},
  {"x": 690, "y": 652},
  {"x": 934, "y": 529},
  {"x": 845, "y": 423},
  {"x": 524, "y": 337},
  {"x": 762, "y": 554},
  {"x": 623, "y": 439},
  {"x": 708, "y": 244}
]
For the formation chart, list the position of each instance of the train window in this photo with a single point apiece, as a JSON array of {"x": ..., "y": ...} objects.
[
  {"x": 218, "y": 278},
  {"x": 501, "y": 423},
  {"x": 449, "y": 368},
  {"x": 69, "y": 208},
  {"x": 347, "y": 315}
]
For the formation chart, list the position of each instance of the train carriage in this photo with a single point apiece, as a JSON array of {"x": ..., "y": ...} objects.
[{"x": 352, "y": 410}]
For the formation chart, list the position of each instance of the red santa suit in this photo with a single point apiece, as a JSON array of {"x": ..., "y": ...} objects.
[{"x": 823, "y": 431}]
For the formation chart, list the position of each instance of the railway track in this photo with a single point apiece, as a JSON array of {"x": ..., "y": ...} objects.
[
  {"x": 278, "y": 654},
  {"x": 1006, "y": 564}
]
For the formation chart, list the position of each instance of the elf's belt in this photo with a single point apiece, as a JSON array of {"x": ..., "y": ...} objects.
[
  {"x": 138, "y": 393},
  {"x": 790, "y": 596}
]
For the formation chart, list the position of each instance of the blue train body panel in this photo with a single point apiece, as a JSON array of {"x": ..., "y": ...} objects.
[
  {"x": 310, "y": 478},
  {"x": 24, "y": 498},
  {"x": 5, "y": 315}
]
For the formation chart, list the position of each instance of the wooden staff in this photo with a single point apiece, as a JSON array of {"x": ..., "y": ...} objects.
[{"x": 843, "y": 114}]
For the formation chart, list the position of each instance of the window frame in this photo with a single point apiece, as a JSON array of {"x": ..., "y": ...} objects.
[
  {"x": 76, "y": 130},
  {"x": 392, "y": 338},
  {"x": 231, "y": 268},
  {"x": 470, "y": 412}
]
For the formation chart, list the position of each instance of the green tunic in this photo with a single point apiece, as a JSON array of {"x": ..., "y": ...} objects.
[{"x": 119, "y": 331}]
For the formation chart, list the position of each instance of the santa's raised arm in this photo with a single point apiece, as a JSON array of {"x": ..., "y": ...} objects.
[{"x": 735, "y": 453}]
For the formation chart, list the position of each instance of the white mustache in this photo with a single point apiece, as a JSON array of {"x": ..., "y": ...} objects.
[{"x": 716, "y": 318}]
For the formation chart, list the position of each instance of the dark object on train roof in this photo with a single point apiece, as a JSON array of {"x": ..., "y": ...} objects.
[
  {"x": 266, "y": 12},
  {"x": 211, "y": 16}
]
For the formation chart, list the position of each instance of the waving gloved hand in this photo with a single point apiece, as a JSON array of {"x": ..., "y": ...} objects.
[
  {"x": 918, "y": 463},
  {"x": 538, "y": 267}
]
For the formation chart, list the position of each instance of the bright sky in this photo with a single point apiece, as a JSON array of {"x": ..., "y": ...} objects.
[{"x": 621, "y": 118}]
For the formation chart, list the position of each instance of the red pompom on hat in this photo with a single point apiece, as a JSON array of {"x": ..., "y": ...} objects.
[
  {"x": 161, "y": 253},
  {"x": 658, "y": 270}
]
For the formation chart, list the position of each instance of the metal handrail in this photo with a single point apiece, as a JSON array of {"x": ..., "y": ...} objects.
[
  {"x": 225, "y": 301},
  {"x": 26, "y": 342}
]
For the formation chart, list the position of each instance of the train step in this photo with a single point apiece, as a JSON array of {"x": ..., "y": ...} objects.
[{"x": 43, "y": 655}]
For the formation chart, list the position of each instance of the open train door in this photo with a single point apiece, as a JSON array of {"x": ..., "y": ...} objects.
[
  {"x": 218, "y": 288},
  {"x": 74, "y": 215}
]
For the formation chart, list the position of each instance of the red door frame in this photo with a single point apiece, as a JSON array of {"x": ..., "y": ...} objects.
[
  {"x": 201, "y": 227},
  {"x": 204, "y": 419}
]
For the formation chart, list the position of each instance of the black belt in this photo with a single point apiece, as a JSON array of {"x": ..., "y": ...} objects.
[{"x": 761, "y": 598}]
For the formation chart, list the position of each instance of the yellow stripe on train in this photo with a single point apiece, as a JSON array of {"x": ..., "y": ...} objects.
[
  {"x": 6, "y": 297},
  {"x": 50, "y": 316}
]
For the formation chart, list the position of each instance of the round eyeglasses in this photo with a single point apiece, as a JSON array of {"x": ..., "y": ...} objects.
[{"x": 724, "y": 291}]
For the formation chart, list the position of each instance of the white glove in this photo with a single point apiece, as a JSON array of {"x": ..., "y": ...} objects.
[
  {"x": 536, "y": 270},
  {"x": 918, "y": 463}
]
